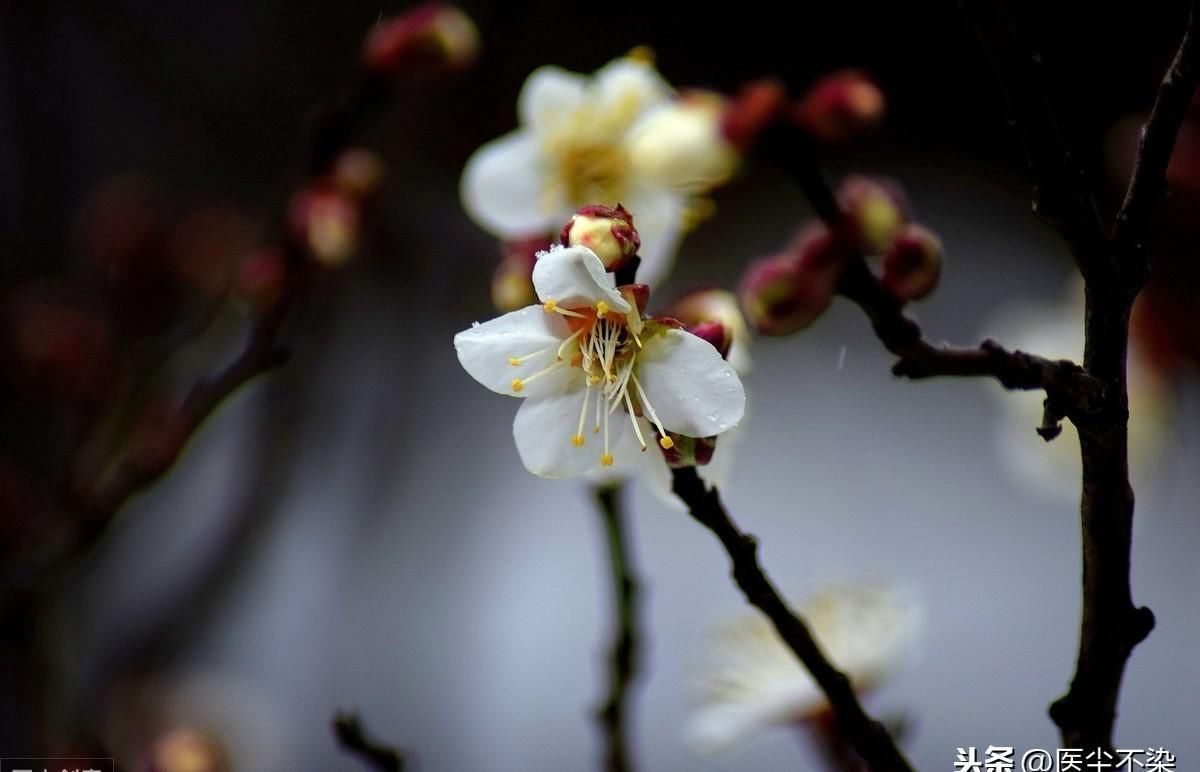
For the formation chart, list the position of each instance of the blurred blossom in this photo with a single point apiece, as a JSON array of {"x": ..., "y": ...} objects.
[
  {"x": 751, "y": 679},
  {"x": 1052, "y": 469},
  {"x": 358, "y": 173},
  {"x": 602, "y": 139},
  {"x": 433, "y": 36},
  {"x": 589, "y": 335},
  {"x": 913, "y": 263},
  {"x": 326, "y": 223},
  {"x": 841, "y": 107},
  {"x": 512, "y": 283},
  {"x": 875, "y": 210}
]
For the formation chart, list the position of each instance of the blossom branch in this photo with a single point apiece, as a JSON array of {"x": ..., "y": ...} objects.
[
  {"x": 352, "y": 737},
  {"x": 623, "y": 652},
  {"x": 869, "y": 737}
]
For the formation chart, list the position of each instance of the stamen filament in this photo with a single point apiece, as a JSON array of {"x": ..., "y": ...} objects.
[
  {"x": 633, "y": 419},
  {"x": 666, "y": 442},
  {"x": 577, "y": 440}
]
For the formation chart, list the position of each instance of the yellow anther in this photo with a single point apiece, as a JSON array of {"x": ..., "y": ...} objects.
[
  {"x": 606, "y": 460},
  {"x": 667, "y": 443},
  {"x": 514, "y": 361},
  {"x": 594, "y": 379},
  {"x": 577, "y": 440},
  {"x": 550, "y": 306},
  {"x": 601, "y": 308},
  {"x": 518, "y": 384}
]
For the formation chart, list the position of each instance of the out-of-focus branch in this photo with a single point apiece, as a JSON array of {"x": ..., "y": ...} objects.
[
  {"x": 622, "y": 654},
  {"x": 866, "y": 735},
  {"x": 353, "y": 738}
]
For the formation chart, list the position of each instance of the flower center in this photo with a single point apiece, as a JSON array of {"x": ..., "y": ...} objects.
[
  {"x": 602, "y": 345},
  {"x": 592, "y": 171}
]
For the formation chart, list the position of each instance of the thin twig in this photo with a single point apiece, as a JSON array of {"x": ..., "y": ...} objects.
[
  {"x": 352, "y": 737},
  {"x": 623, "y": 652},
  {"x": 869, "y": 738}
]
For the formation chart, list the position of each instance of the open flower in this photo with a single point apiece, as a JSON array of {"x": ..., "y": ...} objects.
[
  {"x": 753, "y": 679},
  {"x": 599, "y": 140},
  {"x": 590, "y": 368}
]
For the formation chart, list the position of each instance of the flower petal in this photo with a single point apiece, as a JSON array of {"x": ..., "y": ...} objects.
[
  {"x": 679, "y": 145},
  {"x": 543, "y": 429},
  {"x": 693, "y": 390},
  {"x": 549, "y": 97},
  {"x": 575, "y": 278},
  {"x": 627, "y": 87},
  {"x": 504, "y": 189},
  {"x": 484, "y": 351},
  {"x": 658, "y": 217}
]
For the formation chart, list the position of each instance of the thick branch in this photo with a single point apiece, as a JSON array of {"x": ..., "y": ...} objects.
[
  {"x": 351, "y": 736},
  {"x": 868, "y": 737},
  {"x": 622, "y": 655}
]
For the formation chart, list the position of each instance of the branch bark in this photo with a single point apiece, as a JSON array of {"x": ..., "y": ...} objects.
[
  {"x": 866, "y": 735},
  {"x": 353, "y": 738},
  {"x": 623, "y": 651}
]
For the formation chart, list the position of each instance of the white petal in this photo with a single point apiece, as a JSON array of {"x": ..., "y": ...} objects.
[
  {"x": 693, "y": 390},
  {"x": 629, "y": 87},
  {"x": 718, "y": 471},
  {"x": 549, "y": 97},
  {"x": 484, "y": 349},
  {"x": 656, "y": 474},
  {"x": 679, "y": 145},
  {"x": 504, "y": 188},
  {"x": 658, "y": 217},
  {"x": 575, "y": 278},
  {"x": 543, "y": 429},
  {"x": 716, "y": 727}
]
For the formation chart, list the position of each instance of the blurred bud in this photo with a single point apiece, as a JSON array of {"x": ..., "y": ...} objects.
[
  {"x": 157, "y": 437},
  {"x": 606, "y": 231},
  {"x": 875, "y": 211},
  {"x": 717, "y": 305},
  {"x": 207, "y": 245},
  {"x": 637, "y": 295},
  {"x": 188, "y": 750},
  {"x": 429, "y": 37},
  {"x": 63, "y": 350},
  {"x": 261, "y": 277},
  {"x": 912, "y": 266},
  {"x": 358, "y": 173},
  {"x": 682, "y": 144},
  {"x": 751, "y": 111},
  {"x": 780, "y": 295},
  {"x": 716, "y": 333},
  {"x": 326, "y": 224},
  {"x": 688, "y": 451},
  {"x": 842, "y": 107},
  {"x": 512, "y": 283}
]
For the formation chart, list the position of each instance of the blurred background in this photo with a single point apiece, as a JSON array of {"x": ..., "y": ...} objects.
[{"x": 355, "y": 529}]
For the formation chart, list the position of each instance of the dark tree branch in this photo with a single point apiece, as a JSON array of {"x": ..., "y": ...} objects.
[
  {"x": 352, "y": 737},
  {"x": 867, "y": 736},
  {"x": 622, "y": 655}
]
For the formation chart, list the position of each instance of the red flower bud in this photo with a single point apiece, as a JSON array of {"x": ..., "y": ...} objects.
[
  {"x": 875, "y": 211},
  {"x": 754, "y": 108},
  {"x": 637, "y": 295},
  {"x": 841, "y": 107},
  {"x": 326, "y": 223},
  {"x": 716, "y": 333},
  {"x": 606, "y": 231},
  {"x": 912, "y": 266},
  {"x": 357, "y": 173},
  {"x": 780, "y": 295},
  {"x": 428, "y": 37}
]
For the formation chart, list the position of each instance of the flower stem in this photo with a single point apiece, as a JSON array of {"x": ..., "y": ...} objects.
[{"x": 623, "y": 650}]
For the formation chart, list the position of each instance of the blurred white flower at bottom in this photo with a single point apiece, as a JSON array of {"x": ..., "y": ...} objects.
[{"x": 752, "y": 679}]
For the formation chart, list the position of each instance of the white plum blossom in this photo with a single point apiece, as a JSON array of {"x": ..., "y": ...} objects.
[
  {"x": 599, "y": 140},
  {"x": 597, "y": 381},
  {"x": 752, "y": 679},
  {"x": 1052, "y": 469}
]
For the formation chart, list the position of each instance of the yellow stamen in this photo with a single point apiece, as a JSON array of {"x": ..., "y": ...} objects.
[
  {"x": 550, "y": 306},
  {"x": 666, "y": 442},
  {"x": 601, "y": 308},
  {"x": 517, "y": 384},
  {"x": 577, "y": 440},
  {"x": 606, "y": 459}
]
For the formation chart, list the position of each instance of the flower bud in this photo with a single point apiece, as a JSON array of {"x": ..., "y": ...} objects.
[
  {"x": 875, "y": 212},
  {"x": 606, "y": 231},
  {"x": 841, "y": 107},
  {"x": 716, "y": 333},
  {"x": 681, "y": 145},
  {"x": 637, "y": 295},
  {"x": 512, "y": 283},
  {"x": 754, "y": 108},
  {"x": 428, "y": 37},
  {"x": 260, "y": 279},
  {"x": 912, "y": 266},
  {"x": 188, "y": 750},
  {"x": 780, "y": 295},
  {"x": 326, "y": 223}
]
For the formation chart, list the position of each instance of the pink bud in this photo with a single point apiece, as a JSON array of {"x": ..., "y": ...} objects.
[
  {"x": 358, "y": 173},
  {"x": 912, "y": 266},
  {"x": 429, "y": 37},
  {"x": 841, "y": 107},
  {"x": 875, "y": 211},
  {"x": 755, "y": 107},
  {"x": 326, "y": 223},
  {"x": 780, "y": 295},
  {"x": 716, "y": 333},
  {"x": 606, "y": 231}
]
